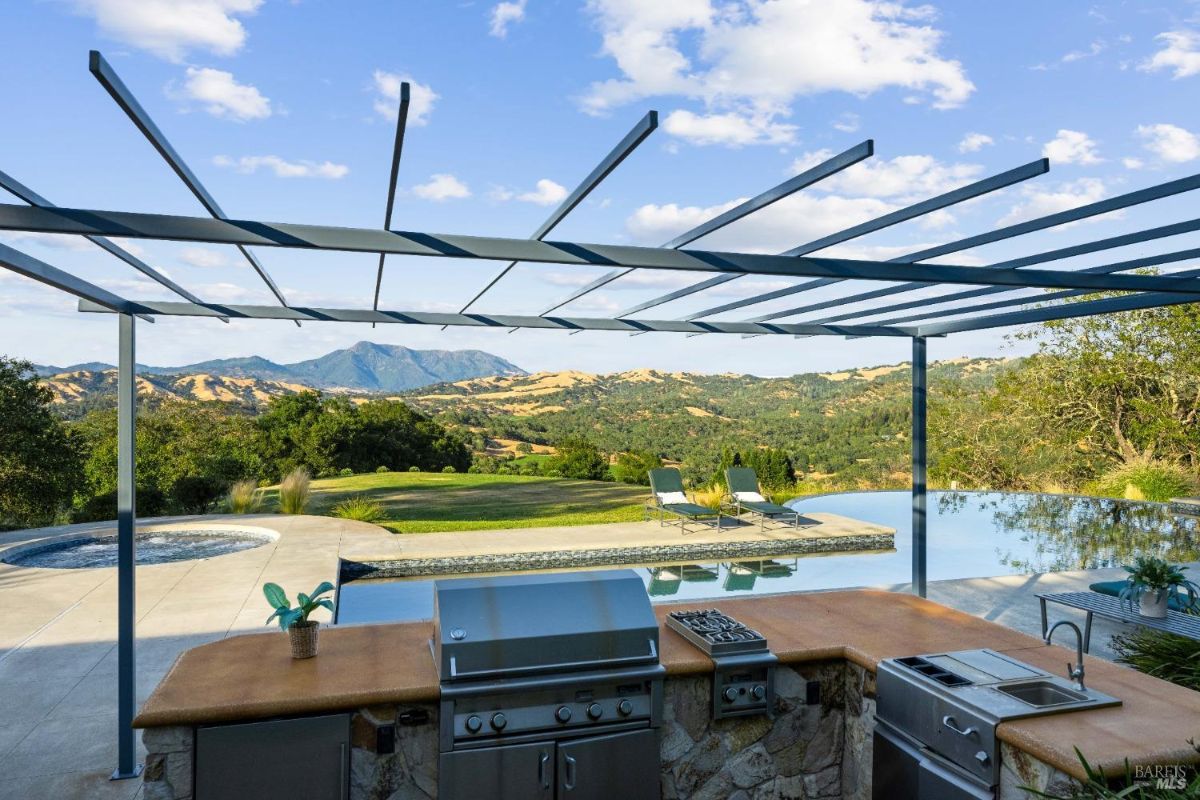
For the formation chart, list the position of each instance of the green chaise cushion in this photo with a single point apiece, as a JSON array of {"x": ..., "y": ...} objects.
[{"x": 1113, "y": 589}]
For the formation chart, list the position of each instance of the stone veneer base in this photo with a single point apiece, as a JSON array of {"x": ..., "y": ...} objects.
[
  {"x": 675, "y": 553},
  {"x": 805, "y": 752}
]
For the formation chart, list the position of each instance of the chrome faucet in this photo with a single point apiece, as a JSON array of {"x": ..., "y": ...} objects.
[{"x": 1074, "y": 671}]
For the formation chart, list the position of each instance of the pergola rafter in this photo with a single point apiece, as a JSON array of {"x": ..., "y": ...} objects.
[{"x": 903, "y": 274}]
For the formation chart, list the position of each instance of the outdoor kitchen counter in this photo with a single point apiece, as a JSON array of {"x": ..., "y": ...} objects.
[{"x": 254, "y": 677}]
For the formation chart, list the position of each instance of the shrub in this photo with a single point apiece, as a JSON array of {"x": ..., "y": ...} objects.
[
  {"x": 346, "y": 472},
  {"x": 710, "y": 496},
  {"x": 448, "y": 469},
  {"x": 414, "y": 469},
  {"x": 1157, "y": 481},
  {"x": 359, "y": 507},
  {"x": 1163, "y": 655},
  {"x": 195, "y": 493},
  {"x": 635, "y": 466},
  {"x": 243, "y": 497},
  {"x": 576, "y": 457},
  {"x": 101, "y": 507},
  {"x": 381, "y": 470},
  {"x": 294, "y": 491}
]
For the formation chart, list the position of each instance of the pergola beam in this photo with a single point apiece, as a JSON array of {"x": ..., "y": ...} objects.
[
  {"x": 26, "y": 265},
  {"x": 1019, "y": 229},
  {"x": 945, "y": 200},
  {"x": 475, "y": 320},
  {"x": 20, "y": 190},
  {"x": 324, "y": 237},
  {"x": 124, "y": 98},
  {"x": 637, "y": 134},
  {"x": 1059, "y": 311},
  {"x": 819, "y": 172},
  {"x": 393, "y": 176}
]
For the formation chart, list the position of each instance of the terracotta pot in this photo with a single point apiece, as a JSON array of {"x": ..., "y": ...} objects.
[
  {"x": 1153, "y": 604},
  {"x": 303, "y": 636}
]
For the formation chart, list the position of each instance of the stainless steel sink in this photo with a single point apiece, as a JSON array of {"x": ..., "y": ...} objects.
[{"x": 1042, "y": 693}]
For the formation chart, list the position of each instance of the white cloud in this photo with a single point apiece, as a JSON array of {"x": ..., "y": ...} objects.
[
  {"x": 547, "y": 193},
  {"x": 1038, "y": 203},
  {"x": 1094, "y": 49},
  {"x": 203, "y": 257},
  {"x": 284, "y": 169},
  {"x": 974, "y": 142},
  {"x": 420, "y": 98},
  {"x": 223, "y": 96},
  {"x": 848, "y": 122},
  {"x": 731, "y": 128},
  {"x": 505, "y": 14},
  {"x": 1130, "y": 162},
  {"x": 1180, "y": 53},
  {"x": 1071, "y": 147},
  {"x": 54, "y": 241},
  {"x": 1170, "y": 142},
  {"x": 170, "y": 28},
  {"x": 756, "y": 58},
  {"x": 442, "y": 186},
  {"x": 915, "y": 176}
]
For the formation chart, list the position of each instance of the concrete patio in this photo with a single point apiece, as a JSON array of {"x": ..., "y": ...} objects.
[{"x": 58, "y": 635}]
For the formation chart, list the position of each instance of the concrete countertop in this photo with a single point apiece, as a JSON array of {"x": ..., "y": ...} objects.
[{"x": 254, "y": 677}]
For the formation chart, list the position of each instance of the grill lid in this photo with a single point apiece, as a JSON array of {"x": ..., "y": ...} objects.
[{"x": 514, "y": 625}]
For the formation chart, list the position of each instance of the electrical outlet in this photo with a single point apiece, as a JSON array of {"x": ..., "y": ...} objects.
[{"x": 812, "y": 693}]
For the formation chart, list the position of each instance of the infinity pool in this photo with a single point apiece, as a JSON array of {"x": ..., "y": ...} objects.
[{"x": 971, "y": 535}]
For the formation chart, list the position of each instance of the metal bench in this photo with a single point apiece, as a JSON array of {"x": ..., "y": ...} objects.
[{"x": 1112, "y": 608}]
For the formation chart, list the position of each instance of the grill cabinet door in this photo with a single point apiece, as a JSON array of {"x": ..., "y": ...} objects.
[
  {"x": 511, "y": 772},
  {"x": 623, "y": 766},
  {"x": 307, "y": 758}
]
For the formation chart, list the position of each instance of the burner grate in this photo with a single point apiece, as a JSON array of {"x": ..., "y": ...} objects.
[{"x": 716, "y": 633}]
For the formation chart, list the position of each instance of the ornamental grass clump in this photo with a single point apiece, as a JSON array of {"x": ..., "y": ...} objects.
[
  {"x": 294, "y": 491},
  {"x": 243, "y": 497},
  {"x": 1147, "y": 479},
  {"x": 1164, "y": 655},
  {"x": 360, "y": 508}
]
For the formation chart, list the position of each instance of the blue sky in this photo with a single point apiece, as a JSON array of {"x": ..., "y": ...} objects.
[{"x": 286, "y": 111}]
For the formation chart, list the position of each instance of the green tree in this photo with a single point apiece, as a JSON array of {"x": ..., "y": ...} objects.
[
  {"x": 39, "y": 462},
  {"x": 635, "y": 466},
  {"x": 577, "y": 457}
]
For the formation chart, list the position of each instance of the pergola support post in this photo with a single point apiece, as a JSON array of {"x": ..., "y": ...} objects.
[
  {"x": 126, "y": 550},
  {"x": 919, "y": 543}
]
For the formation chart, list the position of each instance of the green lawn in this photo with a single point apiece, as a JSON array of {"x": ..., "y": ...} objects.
[{"x": 423, "y": 502}]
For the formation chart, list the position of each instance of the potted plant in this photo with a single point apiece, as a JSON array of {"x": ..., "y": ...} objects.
[
  {"x": 1153, "y": 582},
  {"x": 301, "y": 630}
]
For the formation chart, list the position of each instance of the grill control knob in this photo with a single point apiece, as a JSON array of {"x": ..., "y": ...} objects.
[
  {"x": 730, "y": 694},
  {"x": 563, "y": 714},
  {"x": 758, "y": 692},
  {"x": 624, "y": 708},
  {"x": 594, "y": 711},
  {"x": 499, "y": 721},
  {"x": 474, "y": 724},
  {"x": 983, "y": 758}
]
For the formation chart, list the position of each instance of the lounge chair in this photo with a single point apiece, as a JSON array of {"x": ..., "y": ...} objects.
[
  {"x": 1113, "y": 589},
  {"x": 663, "y": 581},
  {"x": 744, "y": 495},
  {"x": 668, "y": 497}
]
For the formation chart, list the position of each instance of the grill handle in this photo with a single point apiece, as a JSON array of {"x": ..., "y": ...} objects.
[
  {"x": 569, "y": 778},
  {"x": 570, "y": 665},
  {"x": 543, "y": 773},
  {"x": 952, "y": 724}
]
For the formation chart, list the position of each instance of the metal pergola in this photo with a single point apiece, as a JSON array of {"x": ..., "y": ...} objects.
[{"x": 901, "y": 275}]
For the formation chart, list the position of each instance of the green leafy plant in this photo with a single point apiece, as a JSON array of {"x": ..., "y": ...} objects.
[
  {"x": 448, "y": 469},
  {"x": 305, "y": 604},
  {"x": 1163, "y": 655},
  {"x": 345, "y": 472},
  {"x": 414, "y": 469},
  {"x": 381, "y": 470},
  {"x": 359, "y": 507},
  {"x": 1146, "y": 479},
  {"x": 1099, "y": 786},
  {"x": 294, "y": 491},
  {"x": 1157, "y": 576},
  {"x": 243, "y": 497}
]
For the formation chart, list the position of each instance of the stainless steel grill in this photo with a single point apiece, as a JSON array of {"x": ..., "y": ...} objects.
[{"x": 551, "y": 687}]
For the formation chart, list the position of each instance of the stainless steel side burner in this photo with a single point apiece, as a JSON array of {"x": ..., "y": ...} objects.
[{"x": 744, "y": 668}]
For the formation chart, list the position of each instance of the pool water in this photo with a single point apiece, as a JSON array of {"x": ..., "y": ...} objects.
[
  {"x": 152, "y": 548},
  {"x": 970, "y": 535}
]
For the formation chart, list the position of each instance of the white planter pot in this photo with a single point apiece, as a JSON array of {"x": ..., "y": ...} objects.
[{"x": 1153, "y": 604}]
